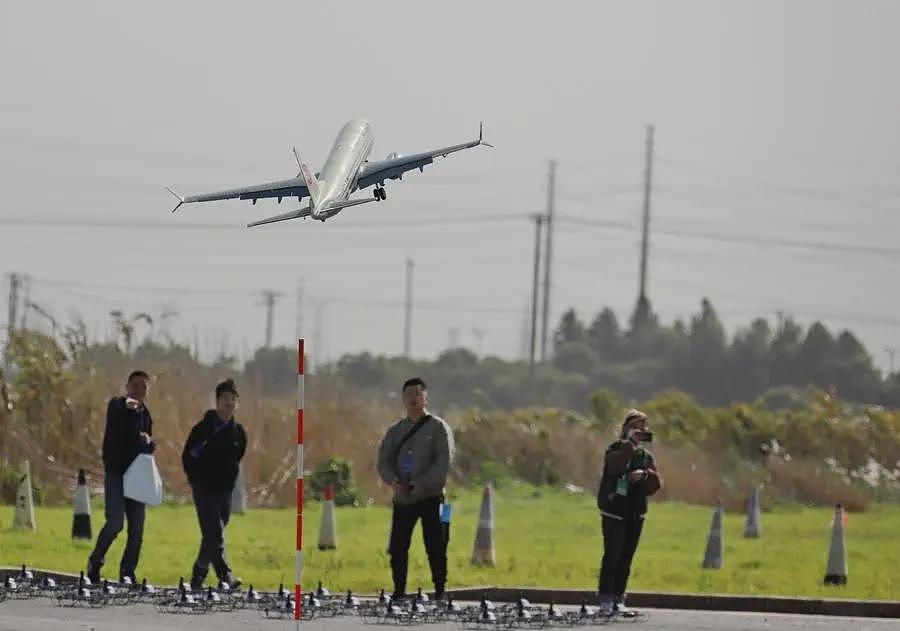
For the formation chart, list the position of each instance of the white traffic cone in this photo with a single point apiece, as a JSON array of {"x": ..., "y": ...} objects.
[
  {"x": 328, "y": 526},
  {"x": 712, "y": 559},
  {"x": 23, "y": 518},
  {"x": 81, "y": 521},
  {"x": 483, "y": 553},
  {"x": 239, "y": 494},
  {"x": 836, "y": 570},
  {"x": 753, "y": 526}
]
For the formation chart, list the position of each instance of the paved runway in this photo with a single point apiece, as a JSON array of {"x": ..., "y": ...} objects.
[{"x": 44, "y": 615}]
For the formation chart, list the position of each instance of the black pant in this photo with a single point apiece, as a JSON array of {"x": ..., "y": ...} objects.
[
  {"x": 213, "y": 512},
  {"x": 620, "y": 540},
  {"x": 117, "y": 509},
  {"x": 402, "y": 524}
]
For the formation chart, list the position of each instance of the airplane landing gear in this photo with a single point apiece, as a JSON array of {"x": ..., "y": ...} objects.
[{"x": 380, "y": 193}]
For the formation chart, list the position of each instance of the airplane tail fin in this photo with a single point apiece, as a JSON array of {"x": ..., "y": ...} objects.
[
  {"x": 180, "y": 199},
  {"x": 312, "y": 184},
  {"x": 481, "y": 136}
]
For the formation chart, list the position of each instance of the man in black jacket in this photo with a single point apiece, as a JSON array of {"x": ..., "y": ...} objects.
[
  {"x": 211, "y": 457},
  {"x": 630, "y": 474},
  {"x": 129, "y": 428}
]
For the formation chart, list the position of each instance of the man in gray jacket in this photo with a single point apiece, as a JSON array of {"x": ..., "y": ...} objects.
[{"x": 414, "y": 458}]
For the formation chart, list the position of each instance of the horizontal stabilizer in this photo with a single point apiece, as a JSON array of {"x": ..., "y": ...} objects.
[
  {"x": 294, "y": 214},
  {"x": 350, "y": 202}
]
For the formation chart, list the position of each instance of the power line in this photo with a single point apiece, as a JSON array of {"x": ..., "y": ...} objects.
[
  {"x": 744, "y": 239},
  {"x": 793, "y": 191},
  {"x": 331, "y": 225}
]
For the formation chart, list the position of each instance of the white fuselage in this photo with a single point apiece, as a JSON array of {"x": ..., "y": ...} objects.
[{"x": 337, "y": 179}]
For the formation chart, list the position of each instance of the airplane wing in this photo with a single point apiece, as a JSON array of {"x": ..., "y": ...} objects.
[
  {"x": 293, "y": 187},
  {"x": 394, "y": 166}
]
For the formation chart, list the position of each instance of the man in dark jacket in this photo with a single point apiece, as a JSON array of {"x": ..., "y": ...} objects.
[
  {"x": 211, "y": 457},
  {"x": 630, "y": 474},
  {"x": 129, "y": 428},
  {"x": 414, "y": 458}
]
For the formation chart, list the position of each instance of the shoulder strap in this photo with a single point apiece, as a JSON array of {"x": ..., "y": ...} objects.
[{"x": 412, "y": 430}]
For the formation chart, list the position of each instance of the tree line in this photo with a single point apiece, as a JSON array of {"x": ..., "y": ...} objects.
[{"x": 772, "y": 361}]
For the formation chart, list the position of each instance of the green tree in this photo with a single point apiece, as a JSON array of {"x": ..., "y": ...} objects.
[
  {"x": 707, "y": 336},
  {"x": 643, "y": 332},
  {"x": 605, "y": 337},
  {"x": 273, "y": 371},
  {"x": 748, "y": 373},
  {"x": 783, "y": 352},
  {"x": 570, "y": 330},
  {"x": 575, "y": 357},
  {"x": 817, "y": 348}
]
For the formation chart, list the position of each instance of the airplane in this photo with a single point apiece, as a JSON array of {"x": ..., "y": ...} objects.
[{"x": 346, "y": 170}]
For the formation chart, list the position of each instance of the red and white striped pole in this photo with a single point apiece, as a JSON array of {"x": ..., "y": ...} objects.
[{"x": 298, "y": 578}]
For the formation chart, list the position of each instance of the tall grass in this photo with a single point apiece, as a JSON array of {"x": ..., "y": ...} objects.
[{"x": 54, "y": 416}]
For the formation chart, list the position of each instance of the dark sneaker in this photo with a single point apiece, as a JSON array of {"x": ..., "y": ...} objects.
[
  {"x": 398, "y": 596},
  {"x": 607, "y": 608},
  {"x": 233, "y": 582},
  {"x": 93, "y": 571}
]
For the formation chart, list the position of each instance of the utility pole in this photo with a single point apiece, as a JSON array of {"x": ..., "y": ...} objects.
[
  {"x": 25, "y": 283},
  {"x": 648, "y": 184},
  {"x": 453, "y": 335},
  {"x": 548, "y": 256},
  {"x": 535, "y": 287},
  {"x": 317, "y": 335},
  {"x": 268, "y": 300},
  {"x": 299, "y": 321},
  {"x": 11, "y": 317},
  {"x": 407, "y": 326},
  {"x": 891, "y": 351},
  {"x": 479, "y": 335}
]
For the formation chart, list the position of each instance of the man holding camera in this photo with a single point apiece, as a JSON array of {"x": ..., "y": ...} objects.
[
  {"x": 414, "y": 458},
  {"x": 630, "y": 475}
]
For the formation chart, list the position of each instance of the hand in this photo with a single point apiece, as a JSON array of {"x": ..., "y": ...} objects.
[
  {"x": 145, "y": 438},
  {"x": 132, "y": 404},
  {"x": 397, "y": 486},
  {"x": 636, "y": 476}
]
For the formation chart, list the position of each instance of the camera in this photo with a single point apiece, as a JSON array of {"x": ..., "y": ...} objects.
[{"x": 644, "y": 436}]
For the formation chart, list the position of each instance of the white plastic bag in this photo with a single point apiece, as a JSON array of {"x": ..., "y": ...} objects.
[{"x": 143, "y": 482}]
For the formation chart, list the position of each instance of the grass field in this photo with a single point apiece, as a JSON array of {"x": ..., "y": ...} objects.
[{"x": 542, "y": 538}]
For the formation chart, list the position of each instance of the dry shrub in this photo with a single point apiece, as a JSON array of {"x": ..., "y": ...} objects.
[
  {"x": 59, "y": 443},
  {"x": 810, "y": 483},
  {"x": 687, "y": 477}
]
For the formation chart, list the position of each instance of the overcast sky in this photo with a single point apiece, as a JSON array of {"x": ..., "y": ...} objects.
[{"x": 776, "y": 179}]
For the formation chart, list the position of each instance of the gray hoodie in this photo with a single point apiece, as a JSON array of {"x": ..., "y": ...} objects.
[{"x": 430, "y": 451}]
